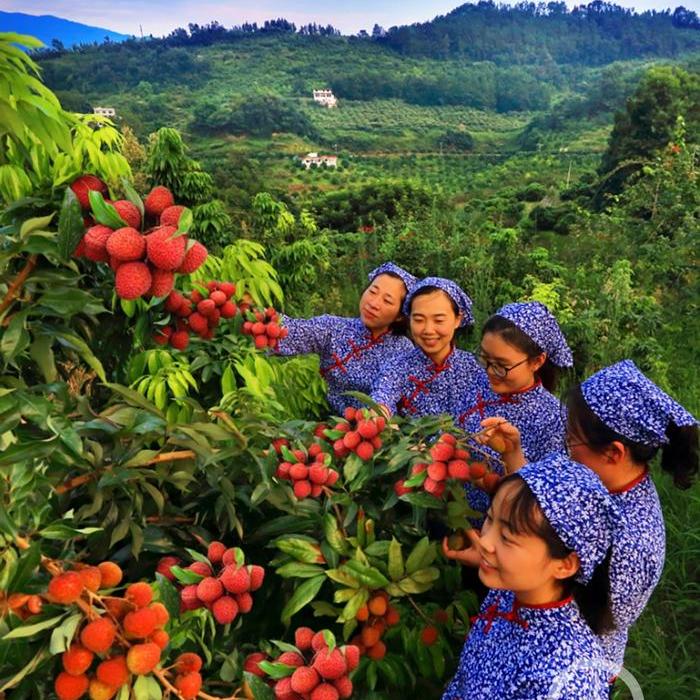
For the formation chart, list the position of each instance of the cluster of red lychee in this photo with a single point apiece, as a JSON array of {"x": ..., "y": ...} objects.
[
  {"x": 361, "y": 433},
  {"x": 309, "y": 471},
  {"x": 449, "y": 461},
  {"x": 23, "y": 605},
  {"x": 188, "y": 679},
  {"x": 145, "y": 264},
  {"x": 264, "y": 327},
  {"x": 376, "y": 615},
  {"x": 225, "y": 583},
  {"x": 317, "y": 671},
  {"x": 199, "y": 313},
  {"x": 125, "y": 640}
]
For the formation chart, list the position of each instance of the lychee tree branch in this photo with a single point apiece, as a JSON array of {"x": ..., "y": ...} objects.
[
  {"x": 18, "y": 282},
  {"x": 85, "y": 478}
]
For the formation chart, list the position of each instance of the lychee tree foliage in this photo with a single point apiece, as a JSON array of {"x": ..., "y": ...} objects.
[{"x": 95, "y": 472}]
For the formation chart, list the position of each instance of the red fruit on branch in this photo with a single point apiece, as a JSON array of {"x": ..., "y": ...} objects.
[
  {"x": 304, "y": 679},
  {"x": 189, "y": 685},
  {"x": 180, "y": 340},
  {"x": 140, "y": 623},
  {"x": 429, "y": 635},
  {"x": 129, "y": 212},
  {"x": 210, "y": 589},
  {"x": 111, "y": 574},
  {"x": 143, "y": 658},
  {"x": 188, "y": 662},
  {"x": 162, "y": 282},
  {"x": 98, "y": 635},
  {"x": 82, "y": 186},
  {"x": 225, "y": 609},
  {"x": 215, "y": 552},
  {"x": 95, "y": 240},
  {"x": 458, "y": 469},
  {"x": 477, "y": 470},
  {"x": 77, "y": 659},
  {"x": 171, "y": 215},
  {"x": 158, "y": 200},
  {"x": 133, "y": 280},
  {"x": 437, "y": 471},
  {"x": 113, "y": 671},
  {"x": 364, "y": 451},
  {"x": 69, "y": 687},
  {"x": 303, "y": 637},
  {"x": 164, "y": 251},
  {"x": 126, "y": 244},
  {"x": 66, "y": 588},
  {"x": 441, "y": 452},
  {"x": 140, "y": 594}
]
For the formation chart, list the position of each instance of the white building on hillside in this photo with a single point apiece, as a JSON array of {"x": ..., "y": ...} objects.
[
  {"x": 313, "y": 159},
  {"x": 105, "y": 112},
  {"x": 325, "y": 97}
]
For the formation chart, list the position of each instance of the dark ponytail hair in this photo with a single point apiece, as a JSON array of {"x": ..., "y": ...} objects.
[
  {"x": 679, "y": 457},
  {"x": 511, "y": 334},
  {"x": 593, "y": 598},
  {"x": 429, "y": 289},
  {"x": 400, "y": 325}
]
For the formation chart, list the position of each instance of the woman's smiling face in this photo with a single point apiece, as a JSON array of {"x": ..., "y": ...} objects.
[{"x": 433, "y": 323}]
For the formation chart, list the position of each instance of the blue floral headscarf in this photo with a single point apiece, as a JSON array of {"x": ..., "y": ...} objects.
[
  {"x": 537, "y": 322},
  {"x": 632, "y": 405},
  {"x": 408, "y": 279},
  {"x": 452, "y": 289}
]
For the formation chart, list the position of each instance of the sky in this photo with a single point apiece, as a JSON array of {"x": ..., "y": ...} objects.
[{"x": 159, "y": 17}]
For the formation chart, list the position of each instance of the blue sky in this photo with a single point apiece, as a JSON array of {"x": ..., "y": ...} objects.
[{"x": 161, "y": 16}]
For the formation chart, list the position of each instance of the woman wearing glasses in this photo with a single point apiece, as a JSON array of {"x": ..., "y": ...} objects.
[
  {"x": 617, "y": 421},
  {"x": 522, "y": 349}
]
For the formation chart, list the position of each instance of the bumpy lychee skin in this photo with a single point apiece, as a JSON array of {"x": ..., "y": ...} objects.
[
  {"x": 129, "y": 212},
  {"x": 188, "y": 662},
  {"x": 133, "y": 280},
  {"x": 225, "y": 610},
  {"x": 201, "y": 568},
  {"x": 140, "y": 594},
  {"x": 161, "y": 613},
  {"x": 66, "y": 588},
  {"x": 161, "y": 638},
  {"x": 96, "y": 243},
  {"x": 164, "y": 251},
  {"x": 252, "y": 661},
  {"x": 291, "y": 658},
  {"x": 303, "y": 637},
  {"x": 318, "y": 642},
  {"x": 174, "y": 301},
  {"x": 215, "y": 551},
  {"x": 377, "y": 652},
  {"x": 98, "y": 635},
  {"x": 189, "y": 685},
  {"x": 198, "y": 323},
  {"x": 91, "y": 578},
  {"x": 126, "y": 244},
  {"x": 162, "y": 282},
  {"x": 69, "y": 687},
  {"x": 171, "y": 215},
  {"x": 158, "y": 200},
  {"x": 140, "y": 623},
  {"x": 304, "y": 679},
  {"x": 143, "y": 658},
  {"x": 235, "y": 579},
  {"x": 330, "y": 664},
  {"x": 344, "y": 687},
  {"x": 245, "y": 602},
  {"x": 209, "y": 589},
  {"x": 352, "y": 656},
  {"x": 188, "y": 596},
  {"x": 82, "y": 185},
  {"x": 257, "y": 575},
  {"x": 76, "y": 660},
  {"x": 193, "y": 259},
  {"x": 180, "y": 340},
  {"x": 325, "y": 691},
  {"x": 113, "y": 671},
  {"x": 101, "y": 691}
]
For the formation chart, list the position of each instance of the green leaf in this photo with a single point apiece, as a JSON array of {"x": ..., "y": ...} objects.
[
  {"x": 30, "y": 630},
  {"x": 62, "y": 636},
  {"x": 300, "y": 549},
  {"x": 343, "y": 577},
  {"x": 185, "y": 222},
  {"x": 333, "y": 535},
  {"x": 28, "y": 669},
  {"x": 83, "y": 349},
  {"x": 295, "y": 569},
  {"x": 423, "y": 555},
  {"x": 277, "y": 670},
  {"x": 260, "y": 690},
  {"x": 60, "y": 531},
  {"x": 353, "y": 605},
  {"x": 302, "y": 596},
  {"x": 133, "y": 397},
  {"x": 16, "y": 338},
  {"x": 24, "y": 568},
  {"x": 104, "y": 213},
  {"x": 132, "y": 195},
  {"x": 169, "y": 595},
  {"x": 40, "y": 351},
  {"x": 368, "y": 575},
  {"x": 71, "y": 227},
  {"x": 147, "y": 688},
  {"x": 396, "y": 567},
  {"x": 186, "y": 576},
  {"x": 36, "y": 224}
]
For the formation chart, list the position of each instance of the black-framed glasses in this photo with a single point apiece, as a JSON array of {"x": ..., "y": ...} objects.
[
  {"x": 501, "y": 371},
  {"x": 568, "y": 445}
]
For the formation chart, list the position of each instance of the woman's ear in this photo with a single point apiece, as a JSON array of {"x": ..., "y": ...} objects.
[
  {"x": 537, "y": 362},
  {"x": 458, "y": 322},
  {"x": 567, "y": 567},
  {"x": 615, "y": 452}
]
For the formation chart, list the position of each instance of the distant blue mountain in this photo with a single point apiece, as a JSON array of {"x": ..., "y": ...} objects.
[{"x": 47, "y": 28}]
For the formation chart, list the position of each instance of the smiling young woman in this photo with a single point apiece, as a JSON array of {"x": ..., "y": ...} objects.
[
  {"x": 543, "y": 553},
  {"x": 352, "y": 350},
  {"x": 431, "y": 378}
]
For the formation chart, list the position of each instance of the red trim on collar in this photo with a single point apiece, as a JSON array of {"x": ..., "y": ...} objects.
[
  {"x": 406, "y": 402},
  {"x": 355, "y": 352},
  {"x": 444, "y": 364},
  {"x": 633, "y": 483},
  {"x": 509, "y": 397},
  {"x": 543, "y": 606}
]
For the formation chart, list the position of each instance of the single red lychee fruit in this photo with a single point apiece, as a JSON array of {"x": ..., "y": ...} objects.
[
  {"x": 429, "y": 635},
  {"x": 113, "y": 671},
  {"x": 189, "y": 685},
  {"x": 129, "y": 212},
  {"x": 330, "y": 664},
  {"x": 236, "y": 579},
  {"x": 325, "y": 691},
  {"x": 215, "y": 551},
  {"x": 133, "y": 280},
  {"x": 96, "y": 243},
  {"x": 82, "y": 186},
  {"x": 140, "y": 594},
  {"x": 77, "y": 659},
  {"x": 245, "y": 602},
  {"x": 165, "y": 251},
  {"x": 69, "y": 687},
  {"x": 304, "y": 679},
  {"x": 303, "y": 637},
  {"x": 66, "y": 588},
  {"x": 143, "y": 658},
  {"x": 162, "y": 282},
  {"x": 364, "y": 451},
  {"x": 98, "y": 635},
  {"x": 194, "y": 257},
  {"x": 126, "y": 244},
  {"x": 158, "y": 200},
  {"x": 225, "y": 610},
  {"x": 209, "y": 589},
  {"x": 139, "y": 623},
  {"x": 180, "y": 340},
  {"x": 171, "y": 215}
]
